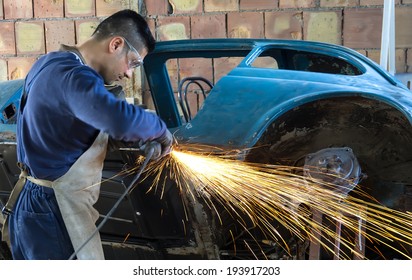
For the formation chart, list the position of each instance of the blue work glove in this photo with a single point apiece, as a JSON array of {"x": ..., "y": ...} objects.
[
  {"x": 165, "y": 141},
  {"x": 157, "y": 150},
  {"x": 161, "y": 146}
]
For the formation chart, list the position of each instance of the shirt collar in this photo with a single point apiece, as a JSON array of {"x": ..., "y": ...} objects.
[{"x": 73, "y": 50}]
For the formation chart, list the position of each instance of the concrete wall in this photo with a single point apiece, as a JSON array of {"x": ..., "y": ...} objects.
[{"x": 29, "y": 28}]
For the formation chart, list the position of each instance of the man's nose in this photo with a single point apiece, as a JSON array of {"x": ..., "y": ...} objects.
[{"x": 129, "y": 73}]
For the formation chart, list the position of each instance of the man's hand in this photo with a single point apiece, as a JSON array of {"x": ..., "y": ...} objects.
[
  {"x": 166, "y": 141},
  {"x": 161, "y": 146},
  {"x": 157, "y": 149}
]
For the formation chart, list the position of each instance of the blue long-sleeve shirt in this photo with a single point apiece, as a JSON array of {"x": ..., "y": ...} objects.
[{"x": 67, "y": 105}]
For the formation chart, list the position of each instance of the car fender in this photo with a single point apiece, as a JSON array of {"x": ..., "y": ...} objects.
[{"x": 257, "y": 102}]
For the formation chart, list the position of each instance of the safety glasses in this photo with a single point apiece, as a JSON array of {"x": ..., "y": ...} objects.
[{"x": 135, "y": 62}]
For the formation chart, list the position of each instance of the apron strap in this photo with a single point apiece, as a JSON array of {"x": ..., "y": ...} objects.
[
  {"x": 18, "y": 187},
  {"x": 8, "y": 208}
]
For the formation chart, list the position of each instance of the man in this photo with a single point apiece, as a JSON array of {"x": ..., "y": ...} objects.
[{"x": 66, "y": 116}]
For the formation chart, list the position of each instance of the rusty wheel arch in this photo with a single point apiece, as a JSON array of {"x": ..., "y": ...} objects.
[{"x": 379, "y": 135}]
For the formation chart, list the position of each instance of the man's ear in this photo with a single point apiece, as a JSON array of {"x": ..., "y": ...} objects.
[{"x": 116, "y": 44}]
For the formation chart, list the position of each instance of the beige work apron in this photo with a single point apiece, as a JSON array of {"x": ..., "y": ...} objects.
[{"x": 76, "y": 193}]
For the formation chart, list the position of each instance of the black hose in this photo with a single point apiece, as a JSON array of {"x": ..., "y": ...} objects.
[{"x": 149, "y": 154}]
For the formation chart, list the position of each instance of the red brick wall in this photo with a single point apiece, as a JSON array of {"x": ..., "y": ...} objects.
[
  {"x": 353, "y": 23},
  {"x": 29, "y": 28}
]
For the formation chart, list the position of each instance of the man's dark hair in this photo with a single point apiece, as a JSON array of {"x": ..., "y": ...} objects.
[{"x": 126, "y": 23}]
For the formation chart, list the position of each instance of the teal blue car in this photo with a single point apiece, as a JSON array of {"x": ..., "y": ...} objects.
[{"x": 288, "y": 102}]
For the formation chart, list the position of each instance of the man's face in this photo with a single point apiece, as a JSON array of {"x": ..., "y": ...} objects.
[{"x": 123, "y": 60}]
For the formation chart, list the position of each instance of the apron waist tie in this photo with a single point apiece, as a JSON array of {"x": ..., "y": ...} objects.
[
  {"x": 18, "y": 187},
  {"x": 8, "y": 208},
  {"x": 40, "y": 182}
]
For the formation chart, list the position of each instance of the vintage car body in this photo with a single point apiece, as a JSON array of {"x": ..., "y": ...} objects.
[{"x": 286, "y": 100}]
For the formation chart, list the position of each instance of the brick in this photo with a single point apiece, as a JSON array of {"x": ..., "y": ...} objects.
[
  {"x": 374, "y": 55},
  {"x": 221, "y": 5},
  {"x": 108, "y": 7},
  {"x": 362, "y": 28},
  {"x": 202, "y": 67},
  {"x": 18, "y": 67},
  {"x": 3, "y": 70},
  {"x": 371, "y": 2},
  {"x": 173, "y": 28},
  {"x": 48, "y": 9},
  {"x": 76, "y": 8},
  {"x": 224, "y": 65},
  {"x": 258, "y": 4},
  {"x": 84, "y": 29},
  {"x": 156, "y": 8},
  {"x": 147, "y": 99},
  {"x": 403, "y": 19},
  {"x": 409, "y": 60},
  {"x": 211, "y": 26},
  {"x": 1, "y": 10},
  {"x": 323, "y": 27},
  {"x": 7, "y": 43},
  {"x": 362, "y": 52},
  {"x": 30, "y": 37},
  {"x": 297, "y": 4},
  {"x": 59, "y": 32},
  {"x": 406, "y": 1},
  {"x": 400, "y": 59},
  {"x": 338, "y": 3},
  {"x": 173, "y": 70},
  {"x": 17, "y": 9},
  {"x": 283, "y": 25},
  {"x": 152, "y": 25},
  {"x": 245, "y": 25},
  {"x": 186, "y": 6},
  {"x": 378, "y": 2},
  {"x": 135, "y": 89}
]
